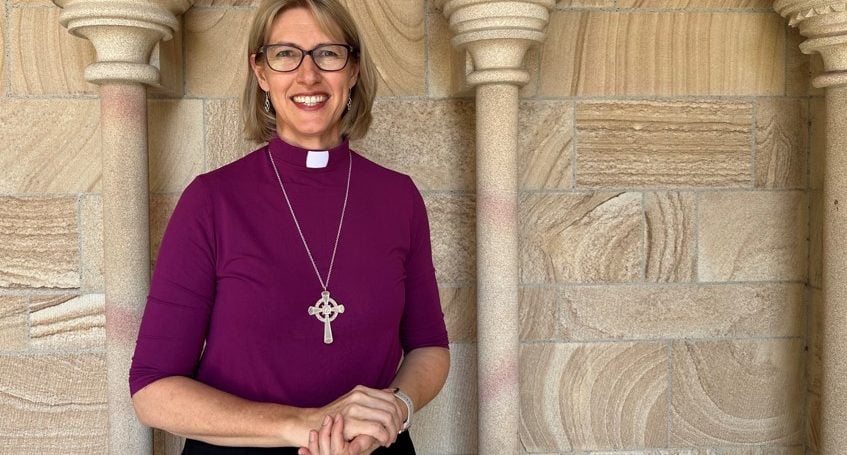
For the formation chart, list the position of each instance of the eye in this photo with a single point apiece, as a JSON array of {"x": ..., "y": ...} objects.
[
  {"x": 285, "y": 53},
  {"x": 328, "y": 53}
]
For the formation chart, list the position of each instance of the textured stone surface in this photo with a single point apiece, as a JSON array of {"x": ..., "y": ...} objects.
[
  {"x": 816, "y": 213},
  {"x": 216, "y": 51},
  {"x": 13, "y": 325},
  {"x": 585, "y": 3},
  {"x": 459, "y": 307},
  {"x": 44, "y": 57},
  {"x": 540, "y": 313},
  {"x": 4, "y": 75},
  {"x": 432, "y": 141},
  {"x": 225, "y": 140},
  {"x": 63, "y": 412},
  {"x": 446, "y": 425},
  {"x": 452, "y": 221},
  {"x": 670, "y": 243},
  {"x": 711, "y": 4},
  {"x": 813, "y": 423},
  {"x": 647, "y": 53},
  {"x": 39, "y": 244},
  {"x": 781, "y": 142},
  {"x": 446, "y": 65},
  {"x": 663, "y": 144},
  {"x": 49, "y": 146},
  {"x": 161, "y": 208},
  {"x": 590, "y": 237},
  {"x": 545, "y": 145},
  {"x": 73, "y": 321},
  {"x": 798, "y": 67},
  {"x": 394, "y": 32},
  {"x": 814, "y": 342},
  {"x": 175, "y": 138},
  {"x": 817, "y": 142},
  {"x": 754, "y": 450},
  {"x": 588, "y": 396},
  {"x": 737, "y": 392},
  {"x": 752, "y": 236},
  {"x": 91, "y": 242},
  {"x": 226, "y": 2},
  {"x": 687, "y": 311}
]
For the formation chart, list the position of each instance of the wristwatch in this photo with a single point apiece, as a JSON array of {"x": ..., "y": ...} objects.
[{"x": 409, "y": 405}]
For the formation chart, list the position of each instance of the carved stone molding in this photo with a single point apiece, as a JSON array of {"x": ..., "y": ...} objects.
[
  {"x": 824, "y": 23},
  {"x": 497, "y": 34},
  {"x": 124, "y": 34}
]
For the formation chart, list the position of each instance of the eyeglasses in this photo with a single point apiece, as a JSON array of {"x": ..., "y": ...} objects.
[{"x": 288, "y": 57}]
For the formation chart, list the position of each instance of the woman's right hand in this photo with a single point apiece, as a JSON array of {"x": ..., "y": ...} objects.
[
  {"x": 366, "y": 411},
  {"x": 330, "y": 440}
]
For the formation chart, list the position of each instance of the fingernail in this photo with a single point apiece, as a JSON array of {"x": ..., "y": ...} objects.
[{"x": 326, "y": 421}]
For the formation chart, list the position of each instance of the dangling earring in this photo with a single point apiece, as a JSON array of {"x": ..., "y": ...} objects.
[
  {"x": 349, "y": 102},
  {"x": 267, "y": 103}
]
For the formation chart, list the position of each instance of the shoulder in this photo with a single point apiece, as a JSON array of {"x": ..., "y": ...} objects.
[{"x": 387, "y": 179}]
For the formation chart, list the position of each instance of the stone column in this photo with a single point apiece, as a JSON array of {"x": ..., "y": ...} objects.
[
  {"x": 497, "y": 34},
  {"x": 824, "y": 23},
  {"x": 124, "y": 34}
]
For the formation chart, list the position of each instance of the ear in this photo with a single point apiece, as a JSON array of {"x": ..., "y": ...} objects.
[
  {"x": 354, "y": 77},
  {"x": 259, "y": 71}
]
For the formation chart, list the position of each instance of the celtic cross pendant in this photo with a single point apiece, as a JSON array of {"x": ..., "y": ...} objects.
[{"x": 326, "y": 310}]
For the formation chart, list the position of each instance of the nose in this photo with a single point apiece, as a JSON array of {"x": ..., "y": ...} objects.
[{"x": 308, "y": 73}]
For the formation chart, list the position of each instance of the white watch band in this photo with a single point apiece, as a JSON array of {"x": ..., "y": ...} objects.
[{"x": 409, "y": 405}]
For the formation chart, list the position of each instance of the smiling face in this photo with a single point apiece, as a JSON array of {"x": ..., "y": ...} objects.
[{"x": 309, "y": 102}]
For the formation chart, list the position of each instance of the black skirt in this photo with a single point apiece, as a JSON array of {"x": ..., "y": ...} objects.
[{"x": 403, "y": 446}]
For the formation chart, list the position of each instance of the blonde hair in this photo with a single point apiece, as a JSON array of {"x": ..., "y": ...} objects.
[{"x": 336, "y": 22}]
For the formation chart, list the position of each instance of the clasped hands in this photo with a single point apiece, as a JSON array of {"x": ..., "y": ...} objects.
[{"x": 357, "y": 423}]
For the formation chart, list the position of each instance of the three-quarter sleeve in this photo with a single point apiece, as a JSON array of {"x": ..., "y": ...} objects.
[
  {"x": 182, "y": 292},
  {"x": 422, "y": 324}
]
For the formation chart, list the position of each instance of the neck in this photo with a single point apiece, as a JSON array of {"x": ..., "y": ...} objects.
[{"x": 310, "y": 143}]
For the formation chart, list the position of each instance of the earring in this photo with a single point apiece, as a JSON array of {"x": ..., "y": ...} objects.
[
  {"x": 349, "y": 102},
  {"x": 267, "y": 103}
]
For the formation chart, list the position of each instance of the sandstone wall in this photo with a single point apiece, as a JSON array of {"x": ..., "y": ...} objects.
[{"x": 669, "y": 181}]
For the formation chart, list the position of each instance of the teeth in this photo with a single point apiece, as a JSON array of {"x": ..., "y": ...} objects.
[{"x": 309, "y": 100}]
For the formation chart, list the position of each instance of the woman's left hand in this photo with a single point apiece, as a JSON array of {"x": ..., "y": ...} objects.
[{"x": 329, "y": 440}]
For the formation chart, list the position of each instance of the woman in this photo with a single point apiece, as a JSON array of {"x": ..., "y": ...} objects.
[{"x": 294, "y": 301}]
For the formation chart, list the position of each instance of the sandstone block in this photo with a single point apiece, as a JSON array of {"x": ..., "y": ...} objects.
[
  {"x": 50, "y": 146},
  {"x": 69, "y": 321},
  {"x": 583, "y": 237},
  {"x": 446, "y": 65},
  {"x": 585, "y": 4},
  {"x": 813, "y": 423},
  {"x": 443, "y": 425},
  {"x": 680, "y": 311},
  {"x": 216, "y": 51},
  {"x": 545, "y": 145},
  {"x": 452, "y": 221},
  {"x": 737, "y": 393},
  {"x": 540, "y": 314},
  {"x": 13, "y": 324},
  {"x": 161, "y": 208},
  {"x": 63, "y": 412},
  {"x": 653, "y": 144},
  {"x": 605, "y": 53},
  {"x": 45, "y": 58},
  {"x": 781, "y": 138},
  {"x": 593, "y": 396},
  {"x": 816, "y": 214},
  {"x": 798, "y": 66},
  {"x": 817, "y": 143},
  {"x": 814, "y": 342},
  {"x": 459, "y": 307},
  {"x": 4, "y": 75},
  {"x": 394, "y": 33},
  {"x": 39, "y": 242},
  {"x": 752, "y": 236},
  {"x": 91, "y": 243},
  {"x": 226, "y": 3},
  {"x": 176, "y": 143},
  {"x": 225, "y": 140},
  {"x": 670, "y": 244},
  {"x": 432, "y": 141},
  {"x": 711, "y": 4}
]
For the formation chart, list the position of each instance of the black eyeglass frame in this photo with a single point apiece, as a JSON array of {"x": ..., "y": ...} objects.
[{"x": 351, "y": 52}]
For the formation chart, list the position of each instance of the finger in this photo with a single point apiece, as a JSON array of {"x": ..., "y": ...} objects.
[
  {"x": 355, "y": 427},
  {"x": 387, "y": 420},
  {"x": 337, "y": 436},
  {"x": 323, "y": 437},
  {"x": 313, "y": 443}
]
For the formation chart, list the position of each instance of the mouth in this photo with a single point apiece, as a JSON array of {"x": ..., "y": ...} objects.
[{"x": 309, "y": 100}]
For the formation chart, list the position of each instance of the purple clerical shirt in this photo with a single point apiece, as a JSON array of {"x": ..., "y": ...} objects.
[{"x": 229, "y": 298}]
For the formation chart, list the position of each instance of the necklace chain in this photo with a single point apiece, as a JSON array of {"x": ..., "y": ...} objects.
[{"x": 324, "y": 284}]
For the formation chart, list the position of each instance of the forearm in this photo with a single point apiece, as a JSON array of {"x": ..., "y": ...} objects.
[
  {"x": 195, "y": 410},
  {"x": 422, "y": 374}
]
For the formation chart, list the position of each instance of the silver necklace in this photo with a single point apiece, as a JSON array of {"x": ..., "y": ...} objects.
[{"x": 326, "y": 309}]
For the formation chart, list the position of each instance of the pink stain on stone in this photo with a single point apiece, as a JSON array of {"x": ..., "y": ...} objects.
[
  {"x": 497, "y": 207},
  {"x": 499, "y": 381},
  {"x": 122, "y": 323}
]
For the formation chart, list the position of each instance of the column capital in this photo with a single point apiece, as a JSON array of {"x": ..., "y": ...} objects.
[
  {"x": 124, "y": 33},
  {"x": 496, "y": 34},
  {"x": 824, "y": 24}
]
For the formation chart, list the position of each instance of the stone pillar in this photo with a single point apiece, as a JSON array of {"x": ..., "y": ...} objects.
[
  {"x": 824, "y": 23},
  {"x": 497, "y": 34},
  {"x": 124, "y": 34}
]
